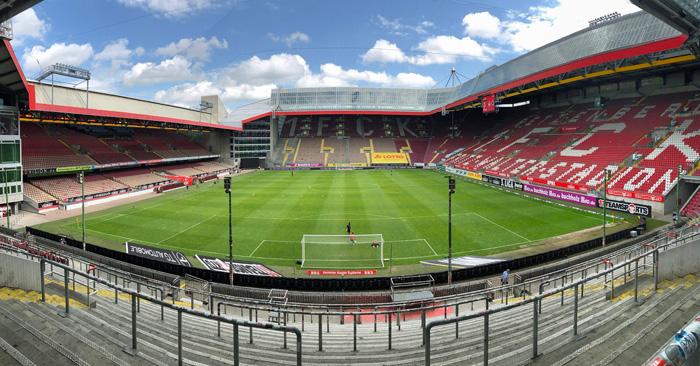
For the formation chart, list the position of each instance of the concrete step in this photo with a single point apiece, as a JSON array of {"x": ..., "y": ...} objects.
[
  {"x": 619, "y": 335},
  {"x": 31, "y": 346}
]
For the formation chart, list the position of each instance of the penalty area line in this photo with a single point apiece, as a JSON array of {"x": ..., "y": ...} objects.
[{"x": 502, "y": 227}]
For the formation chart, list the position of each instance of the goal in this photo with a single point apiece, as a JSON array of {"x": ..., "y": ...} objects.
[{"x": 340, "y": 252}]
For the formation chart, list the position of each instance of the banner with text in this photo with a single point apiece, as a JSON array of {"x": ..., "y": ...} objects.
[
  {"x": 161, "y": 255},
  {"x": 389, "y": 158},
  {"x": 463, "y": 173},
  {"x": 556, "y": 194},
  {"x": 220, "y": 265},
  {"x": 341, "y": 272},
  {"x": 464, "y": 262},
  {"x": 632, "y": 208},
  {"x": 638, "y": 195},
  {"x": 503, "y": 182}
]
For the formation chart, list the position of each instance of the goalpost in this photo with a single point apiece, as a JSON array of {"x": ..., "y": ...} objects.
[{"x": 341, "y": 251}]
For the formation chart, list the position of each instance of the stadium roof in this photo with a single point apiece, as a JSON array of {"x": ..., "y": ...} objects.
[
  {"x": 625, "y": 37},
  {"x": 60, "y": 99},
  {"x": 10, "y": 8}
]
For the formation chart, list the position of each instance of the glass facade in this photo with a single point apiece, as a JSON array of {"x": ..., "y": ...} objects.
[
  {"x": 252, "y": 142},
  {"x": 10, "y": 156}
]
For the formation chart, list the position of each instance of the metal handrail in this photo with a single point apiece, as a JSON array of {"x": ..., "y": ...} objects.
[
  {"x": 161, "y": 287},
  {"x": 536, "y": 300},
  {"x": 180, "y": 310}
]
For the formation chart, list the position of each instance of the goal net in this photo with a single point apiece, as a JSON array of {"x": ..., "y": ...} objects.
[{"x": 342, "y": 251}]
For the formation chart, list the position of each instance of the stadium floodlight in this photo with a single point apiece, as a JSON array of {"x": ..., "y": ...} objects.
[
  {"x": 606, "y": 177},
  {"x": 678, "y": 187},
  {"x": 451, "y": 190},
  {"x": 342, "y": 251},
  {"x": 81, "y": 178},
  {"x": 227, "y": 189}
]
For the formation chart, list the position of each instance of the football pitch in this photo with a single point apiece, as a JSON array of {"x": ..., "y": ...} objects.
[{"x": 273, "y": 210}]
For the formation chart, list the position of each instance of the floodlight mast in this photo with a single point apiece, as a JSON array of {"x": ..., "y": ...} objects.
[
  {"x": 451, "y": 191},
  {"x": 67, "y": 71},
  {"x": 227, "y": 188}
]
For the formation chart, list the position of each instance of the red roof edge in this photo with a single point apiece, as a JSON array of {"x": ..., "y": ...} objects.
[{"x": 642, "y": 49}]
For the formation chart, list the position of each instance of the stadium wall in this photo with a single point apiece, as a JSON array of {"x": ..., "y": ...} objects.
[
  {"x": 62, "y": 99},
  {"x": 16, "y": 272},
  {"x": 679, "y": 261},
  {"x": 332, "y": 284}
]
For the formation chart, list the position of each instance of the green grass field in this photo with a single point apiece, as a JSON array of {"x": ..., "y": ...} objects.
[{"x": 272, "y": 210}]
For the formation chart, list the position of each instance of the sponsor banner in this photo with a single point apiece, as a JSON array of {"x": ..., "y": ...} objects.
[
  {"x": 488, "y": 103},
  {"x": 341, "y": 272},
  {"x": 304, "y": 165},
  {"x": 181, "y": 178},
  {"x": 638, "y": 195},
  {"x": 389, "y": 158},
  {"x": 503, "y": 182},
  {"x": 455, "y": 171},
  {"x": 161, "y": 255},
  {"x": 556, "y": 194},
  {"x": 496, "y": 173},
  {"x": 632, "y": 208},
  {"x": 465, "y": 262},
  {"x": 475, "y": 176},
  {"x": 67, "y": 169},
  {"x": 553, "y": 183},
  {"x": 463, "y": 173},
  {"x": 220, "y": 265},
  {"x": 569, "y": 129}
]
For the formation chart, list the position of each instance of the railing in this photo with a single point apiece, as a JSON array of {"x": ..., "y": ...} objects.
[
  {"x": 629, "y": 262},
  {"x": 539, "y": 284},
  {"x": 577, "y": 286},
  {"x": 136, "y": 296}
]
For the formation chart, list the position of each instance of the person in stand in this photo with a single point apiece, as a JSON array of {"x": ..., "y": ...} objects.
[
  {"x": 675, "y": 217},
  {"x": 504, "y": 277}
]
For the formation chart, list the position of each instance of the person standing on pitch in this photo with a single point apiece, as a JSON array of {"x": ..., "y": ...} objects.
[{"x": 348, "y": 228}]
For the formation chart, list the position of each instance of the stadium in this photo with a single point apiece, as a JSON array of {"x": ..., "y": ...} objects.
[{"x": 544, "y": 211}]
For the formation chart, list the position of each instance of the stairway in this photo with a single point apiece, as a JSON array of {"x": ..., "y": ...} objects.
[{"x": 607, "y": 332}]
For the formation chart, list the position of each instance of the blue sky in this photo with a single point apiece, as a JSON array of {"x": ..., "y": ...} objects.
[{"x": 174, "y": 51}]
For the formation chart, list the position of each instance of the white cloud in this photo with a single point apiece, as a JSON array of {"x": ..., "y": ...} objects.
[
  {"x": 447, "y": 49},
  {"x": 482, "y": 25},
  {"x": 433, "y": 50},
  {"x": 412, "y": 80},
  {"x": 187, "y": 94},
  {"x": 333, "y": 75},
  {"x": 543, "y": 24},
  {"x": 255, "y": 78},
  {"x": 170, "y": 8},
  {"x": 384, "y": 51},
  {"x": 193, "y": 49},
  {"x": 72, "y": 54},
  {"x": 291, "y": 39},
  {"x": 279, "y": 68},
  {"x": 396, "y": 27},
  {"x": 118, "y": 53},
  {"x": 28, "y": 25},
  {"x": 173, "y": 69}
]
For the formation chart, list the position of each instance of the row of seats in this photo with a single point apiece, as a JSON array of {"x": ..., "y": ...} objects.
[
  {"x": 46, "y": 147},
  {"x": 643, "y": 141},
  {"x": 68, "y": 188},
  {"x": 35, "y": 194}
]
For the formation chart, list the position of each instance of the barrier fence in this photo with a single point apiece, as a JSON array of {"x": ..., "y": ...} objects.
[
  {"x": 627, "y": 263},
  {"x": 624, "y": 269},
  {"x": 527, "y": 287}
]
